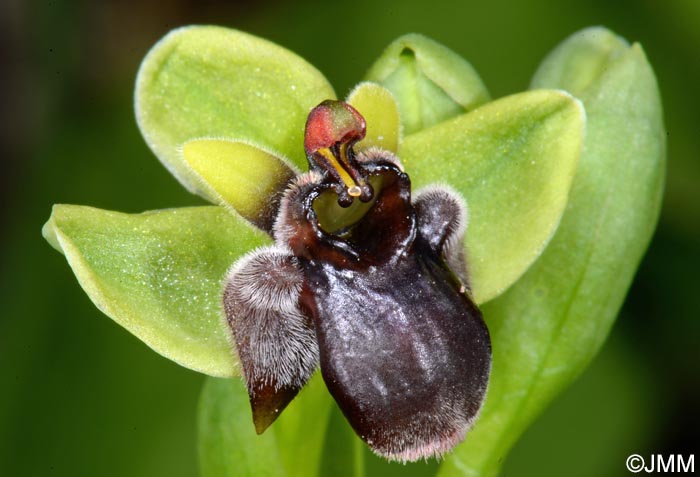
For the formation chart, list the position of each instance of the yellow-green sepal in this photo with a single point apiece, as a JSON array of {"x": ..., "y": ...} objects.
[
  {"x": 159, "y": 274},
  {"x": 207, "y": 81},
  {"x": 513, "y": 160}
]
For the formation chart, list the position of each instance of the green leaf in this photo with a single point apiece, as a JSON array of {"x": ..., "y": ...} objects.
[
  {"x": 240, "y": 175},
  {"x": 206, "y": 81},
  {"x": 292, "y": 446},
  {"x": 344, "y": 453},
  {"x": 513, "y": 160},
  {"x": 228, "y": 445},
  {"x": 549, "y": 325},
  {"x": 158, "y": 274},
  {"x": 311, "y": 438},
  {"x": 614, "y": 407},
  {"x": 430, "y": 82},
  {"x": 379, "y": 108}
]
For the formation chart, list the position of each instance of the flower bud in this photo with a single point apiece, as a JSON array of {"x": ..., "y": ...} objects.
[
  {"x": 580, "y": 60},
  {"x": 430, "y": 82}
]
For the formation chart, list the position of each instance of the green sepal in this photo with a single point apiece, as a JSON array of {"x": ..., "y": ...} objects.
[
  {"x": 206, "y": 81},
  {"x": 513, "y": 160},
  {"x": 159, "y": 274}
]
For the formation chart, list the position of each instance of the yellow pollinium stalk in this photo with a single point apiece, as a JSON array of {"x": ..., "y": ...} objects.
[{"x": 353, "y": 188}]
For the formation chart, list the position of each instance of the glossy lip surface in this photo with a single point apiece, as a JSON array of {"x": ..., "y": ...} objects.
[{"x": 381, "y": 302}]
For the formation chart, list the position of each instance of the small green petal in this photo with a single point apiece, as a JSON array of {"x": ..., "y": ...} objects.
[
  {"x": 206, "y": 81},
  {"x": 378, "y": 106},
  {"x": 241, "y": 176},
  {"x": 513, "y": 160},
  {"x": 158, "y": 274},
  {"x": 430, "y": 82},
  {"x": 549, "y": 325}
]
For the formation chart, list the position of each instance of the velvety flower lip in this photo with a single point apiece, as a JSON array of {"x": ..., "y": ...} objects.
[
  {"x": 558, "y": 220},
  {"x": 380, "y": 301}
]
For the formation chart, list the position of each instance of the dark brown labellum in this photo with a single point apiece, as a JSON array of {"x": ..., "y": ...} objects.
[{"x": 379, "y": 298}]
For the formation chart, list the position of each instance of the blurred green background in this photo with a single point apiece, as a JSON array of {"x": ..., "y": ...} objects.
[{"x": 82, "y": 397}]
